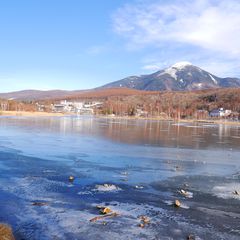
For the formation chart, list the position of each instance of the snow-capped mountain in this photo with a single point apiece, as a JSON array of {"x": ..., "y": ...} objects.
[{"x": 182, "y": 76}]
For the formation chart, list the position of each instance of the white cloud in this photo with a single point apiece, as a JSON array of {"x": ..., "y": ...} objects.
[
  {"x": 98, "y": 49},
  {"x": 209, "y": 24},
  {"x": 152, "y": 67},
  {"x": 221, "y": 68}
]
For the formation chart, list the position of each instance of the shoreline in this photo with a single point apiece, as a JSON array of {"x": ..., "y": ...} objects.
[
  {"x": 207, "y": 121},
  {"x": 53, "y": 114},
  {"x": 29, "y": 114}
]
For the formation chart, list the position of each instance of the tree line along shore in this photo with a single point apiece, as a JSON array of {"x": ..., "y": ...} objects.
[{"x": 194, "y": 105}]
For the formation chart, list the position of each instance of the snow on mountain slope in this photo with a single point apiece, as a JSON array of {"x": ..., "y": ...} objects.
[{"x": 182, "y": 76}]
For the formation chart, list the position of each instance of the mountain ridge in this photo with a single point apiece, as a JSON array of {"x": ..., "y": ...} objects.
[
  {"x": 33, "y": 94},
  {"x": 182, "y": 76}
]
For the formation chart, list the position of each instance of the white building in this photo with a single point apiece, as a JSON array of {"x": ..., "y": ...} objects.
[
  {"x": 220, "y": 112},
  {"x": 92, "y": 104},
  {"x": 77, "y": 107}
]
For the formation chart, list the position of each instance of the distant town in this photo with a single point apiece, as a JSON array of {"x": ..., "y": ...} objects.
[{"x": 206, "y": 104}]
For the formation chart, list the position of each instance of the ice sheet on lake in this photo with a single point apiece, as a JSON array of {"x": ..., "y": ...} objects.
[
  {"x": 107, "y": 188},
  {"x": 227, "y": 191}
]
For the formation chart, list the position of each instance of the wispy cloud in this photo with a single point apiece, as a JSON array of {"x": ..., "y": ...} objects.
[
  {"x": 97, "y": 49},
  {"x": 152, "y": 67},
  {"x": 210, "y": 24},
  {"x": 207, "y": 27}
]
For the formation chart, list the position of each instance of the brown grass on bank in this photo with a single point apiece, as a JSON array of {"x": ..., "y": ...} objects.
[
  {"x": 6, "y": 232},
  {"x": 29, "y": 114}
]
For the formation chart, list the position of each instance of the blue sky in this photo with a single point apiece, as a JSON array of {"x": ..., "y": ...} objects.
[{"x": 81, "y": 44}]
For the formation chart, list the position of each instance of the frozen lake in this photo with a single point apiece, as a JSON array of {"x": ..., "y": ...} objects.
[{"x": 148, "y": 162}]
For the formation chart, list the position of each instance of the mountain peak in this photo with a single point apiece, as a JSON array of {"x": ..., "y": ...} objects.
[
  {"x": 181, "y": 65},
  {"x": 174, "y": 69},
  {"x": 182, "y": 76}
]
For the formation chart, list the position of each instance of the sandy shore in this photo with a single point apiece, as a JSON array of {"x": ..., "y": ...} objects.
[{"x": 30, "y": 114}]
